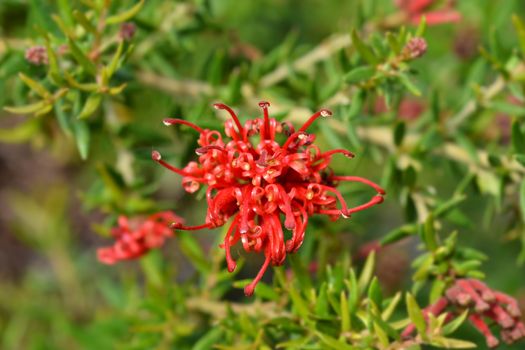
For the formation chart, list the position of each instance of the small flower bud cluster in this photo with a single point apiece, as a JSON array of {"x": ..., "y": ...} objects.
[
  {"x": 136, "y": 237},
  {"x": 37, "y": 55},
  {"x": 485, "y": 306},
  {"x": 415, "y": 48},
  {"x": 127, "y": 31}
]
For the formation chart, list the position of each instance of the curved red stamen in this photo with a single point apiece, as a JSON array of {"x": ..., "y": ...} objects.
[
  {"x": 156, "y": 156},
  {"x": 203, "y": 150},
  {"x": 292, "y": 137},
  {"x": 344, "y": 152},
  {"x": 374, "y": 201},
  {"x": 231, "y": 264},
  {"x": 179, "y": 226},
  {"x": 320, "y": 113},
  {"x": 249, "y": 289},
  {"x": 174, "y": 121},
  {"x": 234, "y": 117},
  {"x": 359, "y": 179}
]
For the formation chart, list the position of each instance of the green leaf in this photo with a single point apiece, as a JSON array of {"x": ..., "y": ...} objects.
[
  {"x": 115, "y": 60},
  {"x": 333, "y": 343},
  {"x": 345, "y": 313},
  {"x": 450, "y": 343},
  {"x": 84, "y": 22},
  {"x": 520, "y": 29},
  {"x": 438, "y": 287},
  {"x": 321, "y": 305},
  {"x": 81, "y": 58},
  {"x": 207, "y": 341},
  {"x": 375, "y": 294},
  {"x": 81, "y": 132},
  {"x": 91, "y": 105},
  {"x": 366, "y": 274},
  {"x": 54, "y": 71},
  {"x": 507, "y": 108},
  {"x": 520, "y": 158},
  {"x": 518, "y": 137},
  {"x": 399, "y": 133},
  {"x": 20, "y": 133},
  {"x": 392, "y": 304},
  {"x": 364, "y": 50},
  {"x": 453, "y": 325},
  {"x": 193, "y": 251},
  {"x": 398, "y": 234},
  {"x": 405, "y": 80},
  {"x": 35, "y": 86},
  {"x": 27, "y": 109},
  {"x": 522, "y": 199},
  {"x": 394, "y": 44},
  {"x": 415, "y": 314},
  {"x": 381, "y": 335},
  {"x": 420, "y": 31},
  {"x": 360, "y": 74},
  {"x": 353, "y": 292},
  {"x": 126, "y": 15},
  {"x": 444, "y": 208},
  {"x": 429, "y": 234}
]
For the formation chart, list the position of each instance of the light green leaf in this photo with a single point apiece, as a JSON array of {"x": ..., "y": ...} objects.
[
  {"x": 126, "y": 15},
  {"x": 360, "y": 74},
  {"x": 82, "y": 137},
  {"x": 520, "y": 29},
  {"x": 34, "y": 85},
  {"x": 90, "y": 106},
  {"x": 27, "y": 109},
  {"x": 416, "y": 315},
  {"x": 367, "y": 273}
]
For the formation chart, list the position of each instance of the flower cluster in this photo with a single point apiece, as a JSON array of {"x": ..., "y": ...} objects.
[
  {"x": 416, "y": 9},
  {"x": 484, "y": 304},
  {"x": 255, "y": 185},
  {"x": 136, "y": 237},
  {"x": 37, "y": 55}
]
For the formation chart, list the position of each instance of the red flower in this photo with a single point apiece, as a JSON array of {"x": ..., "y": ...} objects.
[
  {"x": 136, "y": 237},
  {"x": 254, "y": 184},
  {"x": 415, "y": 9},
  {"x": 483, "y": 304}
]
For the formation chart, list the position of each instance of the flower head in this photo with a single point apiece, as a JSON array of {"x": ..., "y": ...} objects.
[
  {"x": 127, "y": 31},
  {"x": 256, "y": 184},
  {"x": 415, "y": 48},
  {"x": 136, "y": 237},
  {"x": 484, "y": 304},
  {"x": 416, "y": 9},
  {"x": 36, "y": 55}
]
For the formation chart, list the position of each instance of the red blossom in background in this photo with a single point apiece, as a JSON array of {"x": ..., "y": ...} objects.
[
  {"x": 416, "y": 9},
  {"x": 256, "y": 184},
  {"x": 136, "y": 237},
  {"x": 484, "y": 305}
]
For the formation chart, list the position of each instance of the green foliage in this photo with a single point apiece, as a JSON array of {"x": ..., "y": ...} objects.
[{"x": 443, "y": 132}]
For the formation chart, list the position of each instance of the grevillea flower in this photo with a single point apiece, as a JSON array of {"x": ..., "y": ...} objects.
[
  {"x": 484, "y": 305},
  {"x": 137, "y": 236},
  {"x": 416, "y": 9},
  {"x": 255, "y": 184}
]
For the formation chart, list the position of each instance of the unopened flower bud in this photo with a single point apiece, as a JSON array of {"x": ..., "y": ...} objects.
[
  {"x": 127, "y": 31},
  {"x": 416, "y": 48},
  {"x": 37, "y": 55}
]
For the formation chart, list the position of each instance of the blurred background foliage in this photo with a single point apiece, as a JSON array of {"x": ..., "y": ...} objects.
[{"x": 443, "y": 133}]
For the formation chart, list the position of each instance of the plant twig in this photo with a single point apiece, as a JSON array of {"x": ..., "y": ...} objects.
[{"x": 326, "y": 49}]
